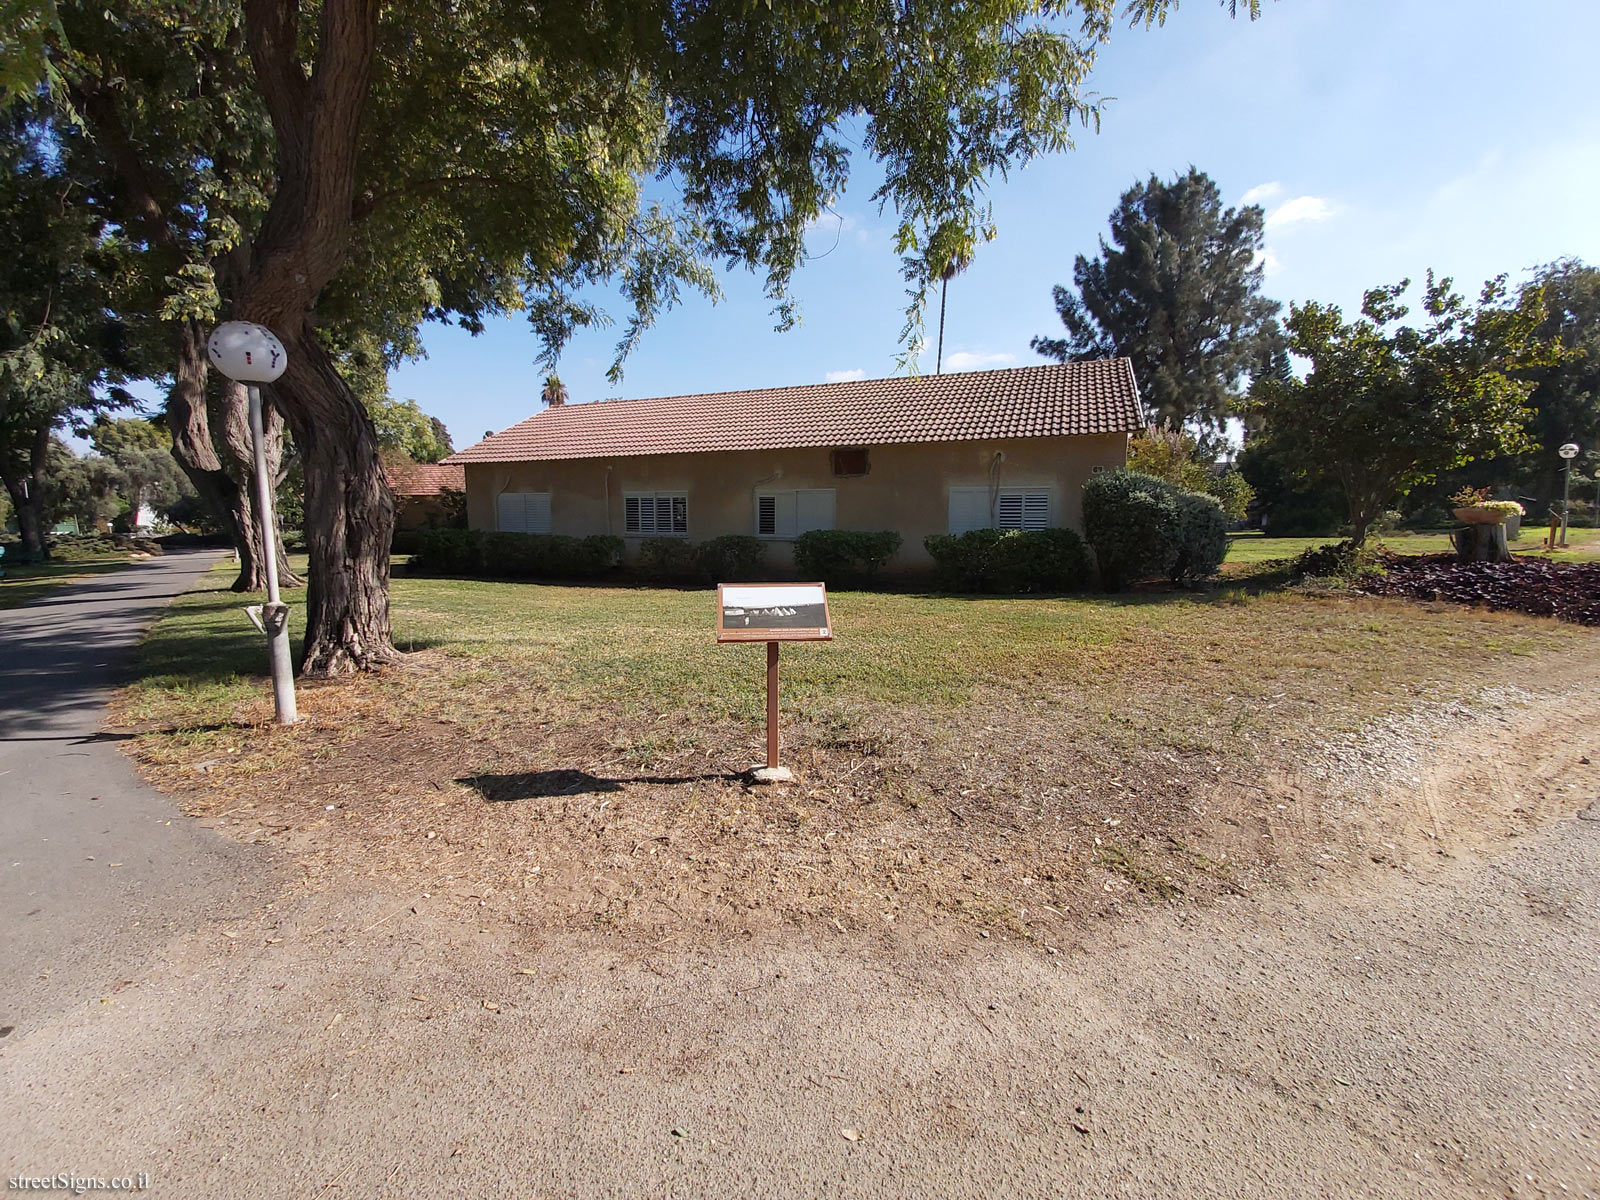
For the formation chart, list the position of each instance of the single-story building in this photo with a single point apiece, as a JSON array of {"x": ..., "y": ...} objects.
[
  {"x": 422, "y": 492},
  {"x": 919, "y": 455}
]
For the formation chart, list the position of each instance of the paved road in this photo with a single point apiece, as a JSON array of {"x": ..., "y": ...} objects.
[{"x": 96, "y": 869}]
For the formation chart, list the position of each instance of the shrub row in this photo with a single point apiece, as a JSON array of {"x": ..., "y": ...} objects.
[
  {"x": 1010, "y": 560},
  {"x": 732, "y": 558},
  {"x": 1140, "y": 526},
  {"x": 515, "y": 555},
  {"x": 844, "y": 557}
]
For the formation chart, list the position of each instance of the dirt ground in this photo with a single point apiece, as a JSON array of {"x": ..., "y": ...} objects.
[
  {"x": 1409, "y": 1012},
  {"x": 995, "y": 821}
]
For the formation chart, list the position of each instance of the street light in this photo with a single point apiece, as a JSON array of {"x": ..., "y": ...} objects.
[
  {"x": 1568, "y": 452},
  {"x": 252, "y": 355}
]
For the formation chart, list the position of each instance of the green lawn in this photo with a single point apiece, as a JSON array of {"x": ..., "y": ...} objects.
[
  {"x": 24, "y": 583},
  {"x": 1251, "y": 548}
]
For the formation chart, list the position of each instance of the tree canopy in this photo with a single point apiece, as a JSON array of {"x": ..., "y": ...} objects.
[
  {"x": 405, "y": 428},
  {"x": 1387, "y": 406},
  {"x": 351, "y": 169},
  {"x": 1177, "y": 290}
]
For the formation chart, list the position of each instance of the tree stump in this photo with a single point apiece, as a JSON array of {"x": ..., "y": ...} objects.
[{"x": 1481, "y": 543}]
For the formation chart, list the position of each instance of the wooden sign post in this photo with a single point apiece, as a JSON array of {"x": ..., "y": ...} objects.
[{"x": 773, "y": 613}]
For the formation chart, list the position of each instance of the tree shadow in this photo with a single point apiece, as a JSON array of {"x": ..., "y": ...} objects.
[{"x": 532, "y": 785}]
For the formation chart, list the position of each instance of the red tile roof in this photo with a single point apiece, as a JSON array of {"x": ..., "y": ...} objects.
[
  {"x": 425, "y": 479},
  {"x": 1048, "y": 401}
]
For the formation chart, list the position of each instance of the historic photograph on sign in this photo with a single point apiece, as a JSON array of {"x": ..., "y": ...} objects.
[{"x": 779, "y": 611}]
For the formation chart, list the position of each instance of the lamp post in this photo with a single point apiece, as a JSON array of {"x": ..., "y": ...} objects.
[
  {"x": 1568, "y": 452},
  {"x": 252, "y": 355}
]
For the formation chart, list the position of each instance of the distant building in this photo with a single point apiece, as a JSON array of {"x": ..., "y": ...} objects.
[
  {"x": 422, "y": 493},
  {"x": 920, "y": 455}
]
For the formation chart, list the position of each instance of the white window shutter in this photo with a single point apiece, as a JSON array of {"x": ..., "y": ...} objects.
[
  {"x": 536, "y": 512},
  {"x": 785, "y": 507},
  {"x": 1008, "y": 511},
  {"x": 969, "y": 509},
  {"x": 813, "y": 510},
  {"x": 508, "y": 512},
  {"x": 1036, "y": 510}
]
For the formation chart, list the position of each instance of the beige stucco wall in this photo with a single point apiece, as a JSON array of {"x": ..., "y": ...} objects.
[{"x": 906, "y": 489}]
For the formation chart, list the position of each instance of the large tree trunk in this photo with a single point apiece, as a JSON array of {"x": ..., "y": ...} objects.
[
  {"x": 229, "y": 493},
  {"x": 349, "y": 514},
  {"x": 28, "y": 525}
]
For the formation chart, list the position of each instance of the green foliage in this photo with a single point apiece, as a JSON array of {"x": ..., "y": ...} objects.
[
  {"x": 1169, "y": 453},
  {"x": 475, "y": 552},
  {"x": 731, "y": 558},
  {"x": 404, "y": 428},
  {"x": 1201, "y": 534},
  {"x": 1388, "y": 406},
  {"x": 1129, "y": 519},
  {"x": 1179, "y": 293},
  {"x": 1009, "y": 560},
  {"x": 844, "y": 557},
  {"x": 1141, "y": 526},
  {"x": 1347, "y": 560},
  {"x": 667, "y": 560},
  {"x": 1289, "y": 504}
]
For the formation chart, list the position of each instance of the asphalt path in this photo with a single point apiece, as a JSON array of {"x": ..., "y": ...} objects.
[{"x": 97, "y": 870}]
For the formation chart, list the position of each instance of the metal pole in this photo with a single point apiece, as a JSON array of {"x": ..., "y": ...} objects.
[
  {"x": 772, "y": 704},
  {"x": 274, "y": 614},
  {"x": 1566, "y": 491}
]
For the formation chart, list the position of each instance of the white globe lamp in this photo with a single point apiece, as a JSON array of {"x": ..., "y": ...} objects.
[{"x": 247, "y": 352}]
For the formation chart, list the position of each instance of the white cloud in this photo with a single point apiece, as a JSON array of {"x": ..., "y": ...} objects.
[
  {"x": 1268, "y": 262},
  {"x": 1301, "y": 208},
  {"x": 845, "y": 376},
  {"x": 1261, "y": 193},
  {"x": 830, "y": 229},
  {"x": 965, "y": 360}
]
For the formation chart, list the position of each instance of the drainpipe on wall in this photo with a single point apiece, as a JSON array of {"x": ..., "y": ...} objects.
[{"x": 994, "y": 483}]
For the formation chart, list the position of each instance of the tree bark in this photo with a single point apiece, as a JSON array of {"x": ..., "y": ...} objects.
[
  {"x": 1482, "y": 543},
  {"x": 227, "y": 492},
  {"x": 303, "y": 241},
  {"x": 349, "y": 515}
]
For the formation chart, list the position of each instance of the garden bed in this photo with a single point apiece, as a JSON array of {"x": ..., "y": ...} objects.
[{"x": 1567, "y": 591}]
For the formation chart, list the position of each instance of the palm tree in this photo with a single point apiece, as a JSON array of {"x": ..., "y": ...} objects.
[
  {"x": 555, "y": 392},
  {"x": 957, "y": 265}
]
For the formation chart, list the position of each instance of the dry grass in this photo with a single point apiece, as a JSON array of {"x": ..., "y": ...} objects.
[{"x": 571, "y": 755}]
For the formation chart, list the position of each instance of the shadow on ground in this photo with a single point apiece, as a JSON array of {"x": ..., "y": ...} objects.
[{"x": 533, "y": 784}]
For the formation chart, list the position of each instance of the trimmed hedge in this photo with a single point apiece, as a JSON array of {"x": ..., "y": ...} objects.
[
  {"x": 731, "y": 558},
  {"x": 1010, "y": 560},
  {"x": 1140, "y": 526},
  {"x": 843, "y": 557},
  {"x": 515, "y": 555},
  {"x": 667, "y": 560},
  {"x": 1202, "y": 536}
]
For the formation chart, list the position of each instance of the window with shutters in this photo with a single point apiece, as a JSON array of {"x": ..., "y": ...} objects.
[
  {"x": 523, "y": 512},
  {"x": 789, "y": 514},
  {"x": 1010, "y": 508},
  {"x": 655, "y": 514},
  {"x": 1029, "y": 509}
]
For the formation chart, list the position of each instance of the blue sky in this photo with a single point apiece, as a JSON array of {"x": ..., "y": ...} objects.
[{"x": 1381, "y": 137}]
